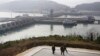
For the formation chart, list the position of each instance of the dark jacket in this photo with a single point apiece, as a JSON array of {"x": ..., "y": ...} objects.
[{"x": 53, "y": 48}]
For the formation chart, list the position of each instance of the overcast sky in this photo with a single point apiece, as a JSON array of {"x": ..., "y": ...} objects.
[{"x": 66, "y": 2}]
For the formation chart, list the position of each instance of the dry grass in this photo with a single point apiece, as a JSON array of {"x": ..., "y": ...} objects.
[{"x": 14, "y": 47}]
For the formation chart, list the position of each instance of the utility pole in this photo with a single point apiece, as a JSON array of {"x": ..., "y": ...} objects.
[{"x": 51, "y": 13}]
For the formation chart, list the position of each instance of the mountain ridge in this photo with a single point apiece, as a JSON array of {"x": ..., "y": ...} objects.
[
  {"x": 89, "y": 6},
  {"x": 32, "y": 5}
]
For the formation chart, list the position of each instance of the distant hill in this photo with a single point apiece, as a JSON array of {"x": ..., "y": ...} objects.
[
  {"x": 91, "y": 6},
  {"x": 32, "y": 5}
]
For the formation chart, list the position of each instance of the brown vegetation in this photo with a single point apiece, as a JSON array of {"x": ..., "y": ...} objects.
[{"x": 14, "y": 47}]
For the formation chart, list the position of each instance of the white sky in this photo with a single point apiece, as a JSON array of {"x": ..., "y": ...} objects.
[
  {"x": 75, "y": 2},
  {"x": 66, "y": 2}
]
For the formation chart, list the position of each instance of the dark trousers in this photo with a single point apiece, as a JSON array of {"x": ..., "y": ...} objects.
[
  {"x": 62, "y": 53},
  {"x": 53, "y": 51}
]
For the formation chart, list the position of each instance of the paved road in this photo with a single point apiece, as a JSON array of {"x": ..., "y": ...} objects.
[{"x": 46, "y": 51}]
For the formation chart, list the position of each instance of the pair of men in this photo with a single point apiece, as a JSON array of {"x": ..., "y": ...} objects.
[{"x": 62, "y": 48}]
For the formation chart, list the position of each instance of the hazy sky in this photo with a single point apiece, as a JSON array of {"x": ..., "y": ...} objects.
[
  {"x": 66, "y": 2},
  {"x": 75, "y": 2}
]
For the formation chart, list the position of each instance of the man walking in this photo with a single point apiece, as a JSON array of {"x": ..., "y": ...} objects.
[
  {"x": 53, "y": 49},
  {"x": 65, "y": 48},
  {"x": 62, "y": 50}
]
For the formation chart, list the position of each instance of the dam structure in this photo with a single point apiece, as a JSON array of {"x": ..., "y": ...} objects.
[
  {"x": 21, "y": 21},
  {"x": 15, "y": 23}
]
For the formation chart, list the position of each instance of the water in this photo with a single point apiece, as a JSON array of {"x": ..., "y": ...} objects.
[
  {"x": 37, "y": 30},
  {"x": 14, "y": 14}
]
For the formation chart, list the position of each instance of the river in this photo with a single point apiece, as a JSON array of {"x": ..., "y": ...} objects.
[{"x": 37, "y": 30}]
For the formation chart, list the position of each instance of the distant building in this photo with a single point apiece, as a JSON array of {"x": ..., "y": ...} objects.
[
  {"x": 79, "y": 19},
  {"x": 51, "y": 13},
  {"x": 82, "y": 19}
]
